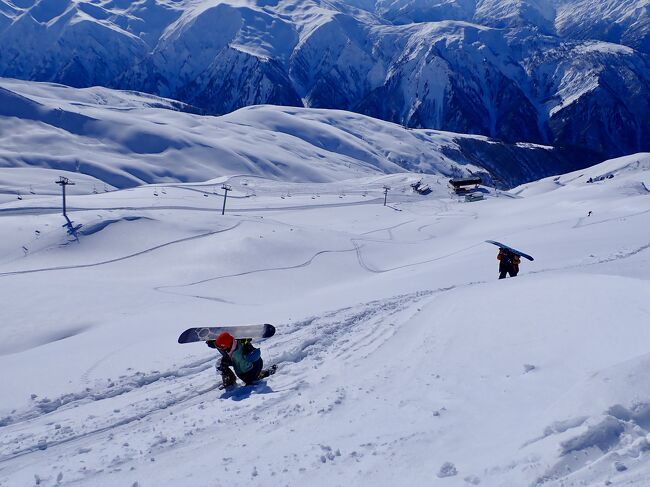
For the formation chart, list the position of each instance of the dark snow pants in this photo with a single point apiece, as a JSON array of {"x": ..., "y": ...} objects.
[
  {"x": 252, "y": 375},
  {"x": 503, "y": 270}
]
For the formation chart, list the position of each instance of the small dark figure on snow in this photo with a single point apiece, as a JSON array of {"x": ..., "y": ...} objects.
[
  {"x": 241, "y": 355},
  {"x": 508, "y": 263}
]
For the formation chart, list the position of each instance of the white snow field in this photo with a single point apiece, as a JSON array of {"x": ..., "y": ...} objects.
[
  {"x": 402, "y": 359},
  {"x": 128, "y": 138}
]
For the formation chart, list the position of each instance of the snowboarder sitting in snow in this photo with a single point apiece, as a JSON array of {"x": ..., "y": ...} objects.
[
  {"x": 241, "y": 355},
  {"x": 508, "y": 263}
]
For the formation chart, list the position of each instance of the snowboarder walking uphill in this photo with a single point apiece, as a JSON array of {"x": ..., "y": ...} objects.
[
  {"x": 508, "y": 263},
  {"x": 241, "y": 355}
]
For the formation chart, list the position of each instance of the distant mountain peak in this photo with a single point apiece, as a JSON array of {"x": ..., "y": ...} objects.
[{"x": 571, "y": 73}]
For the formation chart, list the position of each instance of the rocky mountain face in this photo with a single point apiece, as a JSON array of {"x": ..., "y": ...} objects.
[{"x": 568, "y": 73}]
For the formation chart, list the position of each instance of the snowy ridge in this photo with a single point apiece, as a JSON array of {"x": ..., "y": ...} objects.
[
  {"x": 125, "y": 138},
  {"x": 401, "y": 356}
]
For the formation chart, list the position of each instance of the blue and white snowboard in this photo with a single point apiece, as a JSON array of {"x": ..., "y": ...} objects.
[
  {"x": 510, "y": 249},
  {"x": 202, "y": 334}
]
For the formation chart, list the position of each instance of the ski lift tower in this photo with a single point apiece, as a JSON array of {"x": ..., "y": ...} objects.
[
  {"x": 63, "y": 182},
  {"x": 226, "y": 188},
  {"x": 386, "y": 189}
]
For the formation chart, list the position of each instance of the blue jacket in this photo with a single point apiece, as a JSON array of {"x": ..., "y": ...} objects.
[{"x": 243, "y": 359}]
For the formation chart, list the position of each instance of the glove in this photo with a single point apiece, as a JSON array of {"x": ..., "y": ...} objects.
[{"x": 211, "y": 343}]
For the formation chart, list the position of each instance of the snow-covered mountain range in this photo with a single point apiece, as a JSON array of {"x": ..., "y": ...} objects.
[
  {"x": 571, "y": 73},
  {"x": 125, "y": 139}
]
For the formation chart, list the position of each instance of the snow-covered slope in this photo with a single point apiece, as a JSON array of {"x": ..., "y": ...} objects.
[
  {"x": 125, "y": 139},
  {"x": 621, "y": 21},
  {"x": 460, "y": 65},
  {"x": 402, "y": 359}
]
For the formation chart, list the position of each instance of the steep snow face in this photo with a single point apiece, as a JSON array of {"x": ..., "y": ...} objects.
[
  {"x": 126, "y": 138},
  {"x": 620, "y": 21},
  {"x": 407, "y": 11},
  {"x": 334, "y": 66},
  {"x": 61, "y": 41},
  {"x": 459, "y": 78},
  {"x": 495, "y": 13},
  {"x": 402, "y": 359},
  {"x": 516, "y": 13},
  {"x": 574, "y": 81},
  {"x": 457, "y": 65},
  {"x": 235, "y": 66}
]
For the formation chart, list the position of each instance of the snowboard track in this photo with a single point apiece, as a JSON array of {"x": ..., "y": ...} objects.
[{"x": 341, "y": 333}]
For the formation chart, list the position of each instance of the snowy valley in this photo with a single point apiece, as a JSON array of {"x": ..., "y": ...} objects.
[{"x": 402, "y": 359}]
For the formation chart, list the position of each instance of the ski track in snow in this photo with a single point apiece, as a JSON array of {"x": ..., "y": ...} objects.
[
  {"x": 254, "y": 271},
  {"x": 78, "y": 423},
  {"x": 357, "y": 248},
  {"x": 14, "y": 439},
  {"x": 342, "y": 330},
  {"x": 367, "y": 267},
  {"x": 387, "y": 229},
  {"x": 125, "y": 257},
  {"x": 618, "y": 257},
  {"x": 580, "y": 224}
]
